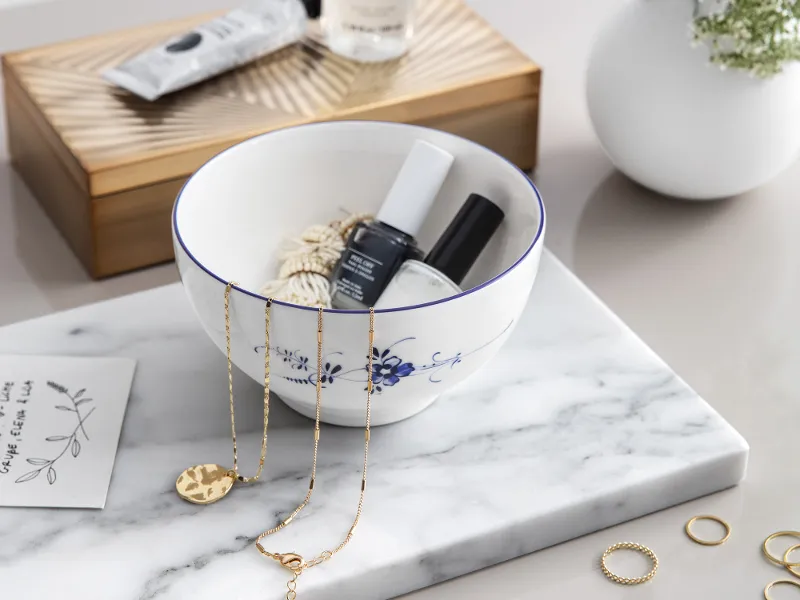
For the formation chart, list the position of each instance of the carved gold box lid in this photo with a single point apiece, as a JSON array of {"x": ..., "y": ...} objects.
[{"x": 111, "y": 140}]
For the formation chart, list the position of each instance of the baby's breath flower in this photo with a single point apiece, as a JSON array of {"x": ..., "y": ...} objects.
[{"x": 759, "y": 36}]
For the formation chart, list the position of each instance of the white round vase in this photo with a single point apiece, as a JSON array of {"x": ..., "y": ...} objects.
[{"x": 677, "y": 124}]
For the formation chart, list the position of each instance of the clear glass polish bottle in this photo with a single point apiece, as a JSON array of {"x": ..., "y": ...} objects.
[
  {"x": 375, "y": 250},
  {"x": 368, "y": 30},
  {"x": 439, "y": 275}
]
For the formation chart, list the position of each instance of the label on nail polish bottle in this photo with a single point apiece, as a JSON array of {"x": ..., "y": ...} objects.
[
  {"x": 357, "y": 269},
  {"x": 374, "y": 253}
]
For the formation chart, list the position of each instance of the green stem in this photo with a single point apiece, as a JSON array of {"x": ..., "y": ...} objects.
[
  {"x": 80, "y": 421},
  {"x": 69, "y": 441}
]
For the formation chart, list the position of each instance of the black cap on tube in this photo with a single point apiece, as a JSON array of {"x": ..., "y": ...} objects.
[
  {"x": 313, "y": 8},
  {"x": 465, "y": 238}
]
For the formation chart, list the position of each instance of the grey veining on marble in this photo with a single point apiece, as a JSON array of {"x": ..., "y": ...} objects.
[{"x": 576, "y": 425}]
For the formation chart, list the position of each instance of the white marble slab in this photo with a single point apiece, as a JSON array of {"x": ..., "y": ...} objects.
[{"x": 575, "y": 426}]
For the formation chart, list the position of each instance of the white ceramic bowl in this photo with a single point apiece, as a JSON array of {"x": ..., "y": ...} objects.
[{"x": 237, "y": 210}]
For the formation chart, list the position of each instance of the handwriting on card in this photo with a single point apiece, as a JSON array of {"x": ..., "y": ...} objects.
[
  {"x": 60, "y": 424},
  {"x": 8, "y": 458},
  {"x": 13, "y": 398}
]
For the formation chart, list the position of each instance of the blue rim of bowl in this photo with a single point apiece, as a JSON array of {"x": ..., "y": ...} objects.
[{"x": 363, "y": 311}]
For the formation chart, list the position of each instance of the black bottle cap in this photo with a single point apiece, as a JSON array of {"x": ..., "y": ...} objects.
[
  {"x": 313, "y": 8},
  {"x": 465, "y": 237}
]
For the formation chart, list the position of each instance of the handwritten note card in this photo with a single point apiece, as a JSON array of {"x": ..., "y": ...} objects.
[{"x": 60, "y": 421}]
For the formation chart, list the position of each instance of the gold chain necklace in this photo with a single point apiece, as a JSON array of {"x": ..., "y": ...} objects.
[
  {"x": 294, "y": 562},
  {"x": 207, "y": 483},
  {"x": 310, "y": 491}
]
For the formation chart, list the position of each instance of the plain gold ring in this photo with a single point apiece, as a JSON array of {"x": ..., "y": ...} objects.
[
  {"x": 779, "y": 582},
  {"x": 696, "y": 539},
  {"x": 629, "y": 580},
  {"x": 778, "y": 561},
  {"x": 786, "y": 559}
]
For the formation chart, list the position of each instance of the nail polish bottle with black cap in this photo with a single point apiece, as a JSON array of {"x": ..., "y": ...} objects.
[
  {"x": 439, "y": 275},
  {"x": 313, "y": 8},
  {"x": 375, "y": 250}
]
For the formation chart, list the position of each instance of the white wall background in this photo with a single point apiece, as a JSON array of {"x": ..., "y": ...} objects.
[
  {"x": 28, "y": 23},
  {"x": 8, "y": 3}
]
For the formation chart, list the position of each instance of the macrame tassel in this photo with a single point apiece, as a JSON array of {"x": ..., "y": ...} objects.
[{"x": 308, "y": 262}]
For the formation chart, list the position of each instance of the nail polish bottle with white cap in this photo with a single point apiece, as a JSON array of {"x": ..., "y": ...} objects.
[
  {"x": 376, "y": 250},
  {"x": 440, "y": 274}
]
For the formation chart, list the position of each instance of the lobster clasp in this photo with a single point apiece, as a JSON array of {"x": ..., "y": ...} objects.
[{"x": 293, "y": 562}]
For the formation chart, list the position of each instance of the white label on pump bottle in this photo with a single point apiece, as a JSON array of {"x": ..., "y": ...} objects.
[{"x": 380, "y": 17}]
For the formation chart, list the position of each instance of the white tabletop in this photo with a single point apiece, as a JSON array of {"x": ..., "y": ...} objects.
[{"x": 713, "y": 288}]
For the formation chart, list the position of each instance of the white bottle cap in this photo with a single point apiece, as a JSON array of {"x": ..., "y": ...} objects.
[{"x": 415, "y": 188}]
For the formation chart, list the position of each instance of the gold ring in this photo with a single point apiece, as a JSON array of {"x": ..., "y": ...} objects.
[
  {"x": 779, "y": 582},
  {"x": 696, "y": 539},
  {"x": 629, "y": 580},
  {"x": 786, "y": 559},
  {"x": 778, "y": 561}
]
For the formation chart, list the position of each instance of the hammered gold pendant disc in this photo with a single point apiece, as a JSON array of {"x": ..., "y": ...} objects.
[{"x": 204, "y": 484}]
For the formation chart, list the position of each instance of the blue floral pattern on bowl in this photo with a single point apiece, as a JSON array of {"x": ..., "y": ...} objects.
[{"x": 388, "y": 367}]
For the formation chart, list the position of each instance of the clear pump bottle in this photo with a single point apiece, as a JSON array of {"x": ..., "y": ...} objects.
[{"x": 368, "y": 30}]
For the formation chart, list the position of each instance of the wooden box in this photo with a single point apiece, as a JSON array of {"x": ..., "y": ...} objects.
[{"x": 106, "y": 165}]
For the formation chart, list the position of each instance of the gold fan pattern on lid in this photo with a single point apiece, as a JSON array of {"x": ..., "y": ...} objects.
[{"x": 104, "y": 126}]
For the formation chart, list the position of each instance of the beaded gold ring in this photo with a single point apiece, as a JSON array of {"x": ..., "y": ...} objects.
[
  {"x": 778, "y": 561},
  {"x": 629, "y": 580},
  {"x": 779, "y": 582},
  {"x": 697, "y": 540},
  {"x": 786, "y": 559}
]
